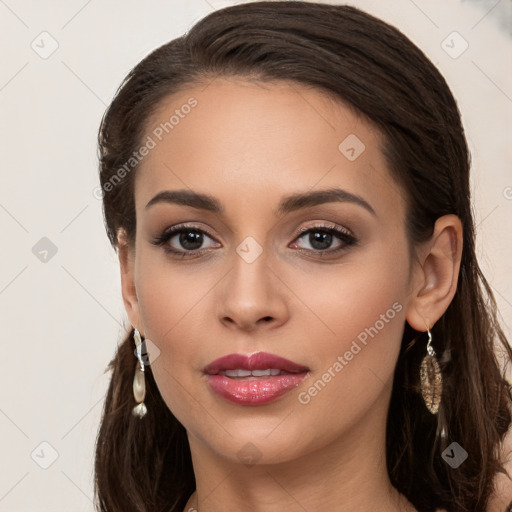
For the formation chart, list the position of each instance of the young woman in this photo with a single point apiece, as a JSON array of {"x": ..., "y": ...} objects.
[{"x": 287, "y": 187}]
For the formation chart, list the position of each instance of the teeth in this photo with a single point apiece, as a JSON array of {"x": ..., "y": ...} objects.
[
  {"x": 253, "y": 373},
  {"x": 236, "y": 373},
  {"x": 270, "y": 371}
]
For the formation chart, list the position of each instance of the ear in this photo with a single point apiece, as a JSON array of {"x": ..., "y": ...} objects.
[
  {"x": 435, "y": 274},
  {"x": 126, "y": 255}
]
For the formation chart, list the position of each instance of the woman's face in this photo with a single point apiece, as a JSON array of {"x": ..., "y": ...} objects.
[{"x": 242, "y": 279}]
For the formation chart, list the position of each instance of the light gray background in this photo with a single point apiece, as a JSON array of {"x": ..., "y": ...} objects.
[{"x": 62, "y": 317}]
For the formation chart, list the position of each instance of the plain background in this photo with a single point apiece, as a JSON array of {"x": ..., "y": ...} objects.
[{"x": 61, "y": 311}]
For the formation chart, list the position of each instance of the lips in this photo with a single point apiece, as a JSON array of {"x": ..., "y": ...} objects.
[
  {"x": 253, "y": 380},
  {"x": 258, "y": 361}
]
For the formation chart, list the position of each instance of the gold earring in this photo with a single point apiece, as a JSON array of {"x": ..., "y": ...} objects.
[
  {"x": 139, "y": 384},
  {"x": 431, "y": 378}
]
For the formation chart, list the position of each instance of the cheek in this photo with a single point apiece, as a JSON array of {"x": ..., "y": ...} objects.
[
  {"x": 172, "y": 301},
  {"x": 364, "y": 315},
  {"x": 169, "y": 294},
  {"x": 366, "y": 292}
]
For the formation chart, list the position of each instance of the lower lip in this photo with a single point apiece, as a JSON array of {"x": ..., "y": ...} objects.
[{"x": 254, "y": 391}]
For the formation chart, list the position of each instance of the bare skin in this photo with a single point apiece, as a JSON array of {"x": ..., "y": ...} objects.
[{"x": 249, "y": 145}]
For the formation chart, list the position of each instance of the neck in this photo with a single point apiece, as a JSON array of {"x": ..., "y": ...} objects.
[{"x": 348, "y": 474}]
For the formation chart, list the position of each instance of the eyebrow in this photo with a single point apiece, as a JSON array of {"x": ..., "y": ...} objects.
[{"x": 288, "y": 204}]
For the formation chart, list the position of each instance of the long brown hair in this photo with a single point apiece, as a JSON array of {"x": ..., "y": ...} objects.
[{"x": 372, "y": 67}]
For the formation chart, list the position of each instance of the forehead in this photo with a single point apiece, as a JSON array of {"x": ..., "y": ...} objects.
[{"x": 246, "y": 141}]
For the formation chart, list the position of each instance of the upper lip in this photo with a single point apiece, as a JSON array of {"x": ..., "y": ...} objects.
[{"x": 257, "y": 361}]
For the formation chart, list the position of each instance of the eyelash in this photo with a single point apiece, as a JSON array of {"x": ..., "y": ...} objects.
[{"x": 345, "y": 236}]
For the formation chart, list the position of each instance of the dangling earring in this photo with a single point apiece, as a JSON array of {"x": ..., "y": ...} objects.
[
  {"x": 139, "y": 384},
  {"x": 431, "y": 378}
]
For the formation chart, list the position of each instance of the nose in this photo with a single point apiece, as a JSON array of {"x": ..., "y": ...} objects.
[{"x": 252, "y": 297}]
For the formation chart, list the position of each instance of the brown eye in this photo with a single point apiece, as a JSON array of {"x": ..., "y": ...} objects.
[
  {"x": 190, "y": 240},
  {"x": 181, "y": 240},
  {"x": 320, "y": 239}
]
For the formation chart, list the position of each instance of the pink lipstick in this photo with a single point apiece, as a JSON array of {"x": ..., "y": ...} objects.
[{"x": 255, "y": 379}]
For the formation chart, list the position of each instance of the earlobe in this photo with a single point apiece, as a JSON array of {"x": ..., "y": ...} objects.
[
  {"x": 126, "y": 262},
  {"x": 437, "y": 275}
]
